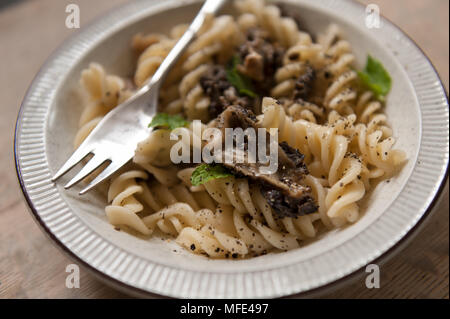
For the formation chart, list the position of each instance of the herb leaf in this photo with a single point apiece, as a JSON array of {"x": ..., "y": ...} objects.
[
  {"x": 171, "y": 122},
  {"x": 238, "y": 80},
  {"x": 207, "y": 172},
  {"x": 376, "y": 77}
]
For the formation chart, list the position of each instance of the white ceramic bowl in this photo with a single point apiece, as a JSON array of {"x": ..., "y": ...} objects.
[{"x": 417, "y": 108}]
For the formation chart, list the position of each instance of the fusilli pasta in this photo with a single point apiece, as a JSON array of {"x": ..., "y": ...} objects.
[{"x": 324, "y": 116}]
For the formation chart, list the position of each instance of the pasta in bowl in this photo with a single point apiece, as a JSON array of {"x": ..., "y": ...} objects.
[
  {"x": 348, "y": 143},
  {"x": 309, "y": 91}
]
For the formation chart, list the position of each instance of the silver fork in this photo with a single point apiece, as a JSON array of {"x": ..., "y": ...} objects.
[{"x": 115, "y": 138}]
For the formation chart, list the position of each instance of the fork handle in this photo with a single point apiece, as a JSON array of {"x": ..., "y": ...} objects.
[{"x": 209, "y": 7}]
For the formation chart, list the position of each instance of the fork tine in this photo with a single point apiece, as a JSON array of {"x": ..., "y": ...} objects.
[
  {"x": 107, "y": 172},
  {"x": 93, "y": 164},
  {"x": 76, "y": 157}
]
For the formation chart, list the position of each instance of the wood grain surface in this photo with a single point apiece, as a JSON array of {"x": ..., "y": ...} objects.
[{"x": 31, "y": 267}]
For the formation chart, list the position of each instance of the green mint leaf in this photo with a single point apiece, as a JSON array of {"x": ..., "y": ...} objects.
[
  {"x": 171, "y": 122},
  {"x": 207, "y": 172},
  {"x": 376, "y": 78},
  {"x": 238, "y": 80}
]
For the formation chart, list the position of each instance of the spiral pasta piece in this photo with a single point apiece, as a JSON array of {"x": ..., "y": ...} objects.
[
  {"x": 124, "y": 205},
  {"x": 297, "y": 59},
  {"x": 155, "y": 149},
  {"x": 153, "y": 49},
  {"x": 214, "y": 44},
  {"x": 300, "y": 109},
  {"x": 195, "y": 102},
  {"x": 130, "y": 194},
  {"x": 340, "y": 93},
  {"x": 369, "y": 113},
  {"x": 217, "y": 238},
  {"x": 294, "y": 133},
  {"x": 336, "y": 50},
  {"x": 253, "y": 212},
  {"x": 327, "y": 157},
  {"x": 282, "y": 29},
  {"x": 104, "y": 92},
  {"x": 377, "y": 152}
]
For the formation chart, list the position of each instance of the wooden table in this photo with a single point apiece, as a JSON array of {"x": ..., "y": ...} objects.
[{"x": 31, "y": 267}]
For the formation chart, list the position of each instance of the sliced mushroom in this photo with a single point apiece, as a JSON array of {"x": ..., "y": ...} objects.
[{"x": 283, "y": 189}]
